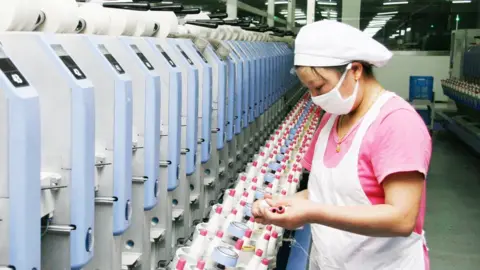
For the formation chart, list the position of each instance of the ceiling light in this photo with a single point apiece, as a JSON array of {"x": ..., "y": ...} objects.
[
  {"x": 388, "y": 17},
  {"x": 461, "y": 1},
  {"x": 281, "y": 2},
  {"x": 388, "y": 13},
  {"x": 409, "y": 29},
  {"x": 301, "y": 17},
  {"x": 325, "y": 13},
  {"x": 301, "y": 21},
  {"x": 327, "y": 3},
  {"x": 395, "y": 3},
  {"x": 402, "y": 32},
  {"x": 375, "y": 24}
]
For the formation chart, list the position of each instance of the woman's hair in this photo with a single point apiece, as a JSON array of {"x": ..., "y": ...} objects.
[{"x": 367, "y": 69}]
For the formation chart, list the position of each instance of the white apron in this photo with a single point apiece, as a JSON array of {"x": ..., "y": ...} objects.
[{"x": 336, "y": 249}]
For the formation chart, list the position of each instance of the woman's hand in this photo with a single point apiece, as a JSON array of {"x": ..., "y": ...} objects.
[
  {"x": 296, "y": 213},
  {"x": 257, "y": 208}
]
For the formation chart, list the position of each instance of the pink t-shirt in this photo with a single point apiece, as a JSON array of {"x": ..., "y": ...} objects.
[{"x": 397, "y": 141}]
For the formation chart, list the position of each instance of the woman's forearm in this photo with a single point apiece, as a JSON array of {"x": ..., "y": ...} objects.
[{"x": 377, "y": 220}]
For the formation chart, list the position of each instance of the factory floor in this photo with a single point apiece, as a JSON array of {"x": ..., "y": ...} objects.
[{"x": 452, "y": 222}]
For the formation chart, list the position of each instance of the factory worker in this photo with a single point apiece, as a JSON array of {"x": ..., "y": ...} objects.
[{"x": 368, "y": 160}]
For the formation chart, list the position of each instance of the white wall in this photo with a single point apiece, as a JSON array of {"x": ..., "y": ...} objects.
[{"x": 395, "y": 76}]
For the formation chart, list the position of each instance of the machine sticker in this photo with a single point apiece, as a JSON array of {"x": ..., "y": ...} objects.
[
  {"x": 185, "y": 55},
  {"x": 199, "y": 53},
  {"x": 111, "y": 59},
  {"x": 142, "y": 57},
  {"x": 169, "y": 60},
  {"x": 11, "y": 72},
  {"x": 68, "y": 62}
]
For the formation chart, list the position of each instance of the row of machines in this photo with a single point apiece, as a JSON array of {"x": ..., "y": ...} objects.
[
  {"x": 115, "y": 144},
  {"x": 231, "y": 239},
  {"x": 463, "y": 87}
]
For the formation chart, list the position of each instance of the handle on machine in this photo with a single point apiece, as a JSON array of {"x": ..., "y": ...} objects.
[
  {"x": 166, "y": 7},
  {"x": 213, "y": 21},
  {"x": 187, "y": 11},
  {"x": 128, "y": 5},
  {"x": 218, "y": 16},
  {"x": 203, "y": 24}
]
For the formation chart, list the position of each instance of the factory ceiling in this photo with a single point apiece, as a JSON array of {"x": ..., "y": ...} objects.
[{"x": 404, "y": 13}]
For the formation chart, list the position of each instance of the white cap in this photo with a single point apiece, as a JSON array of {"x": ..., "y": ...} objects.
[{"x": 330, "y": 43}]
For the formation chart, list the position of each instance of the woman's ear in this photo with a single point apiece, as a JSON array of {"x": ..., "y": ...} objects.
[{"x": 357, "y": 69}]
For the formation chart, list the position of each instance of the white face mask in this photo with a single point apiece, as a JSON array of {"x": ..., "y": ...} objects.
[{"x": 333, "y": 102}]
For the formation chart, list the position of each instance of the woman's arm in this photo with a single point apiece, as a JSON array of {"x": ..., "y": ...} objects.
[{"x": 397, "y": 217}]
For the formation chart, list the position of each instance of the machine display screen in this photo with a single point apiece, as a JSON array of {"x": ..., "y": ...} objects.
[
  {"x": 11, "y": 72},
  {"x": 170, "y": 61},
  {"x": 68, "y": 62},
  {"x": 142, "y": 57},
  {"x": 185, "y": 55},
  {"x": 200, "y": 54},
  {"x": 111, "y": 59}
]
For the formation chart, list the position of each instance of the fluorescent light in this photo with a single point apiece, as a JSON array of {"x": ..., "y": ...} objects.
[
  {"x": 388, "y": 13},
  {"x": 409, "y": 29},
  {"x": 376, "y": 24},
  {"x": 325, "y": 3},
  {"x": 395, "y": 3},
  {"x": 281, "y": 2},
  {"x": 402, "y": 33},
  {"x": 326, "y": 13},
  {"x": 301, "y": 21},
  {"x": 461, "y": 1},
  {"x": 380, "y": 19},
  {"x": 301, "y": 17}
]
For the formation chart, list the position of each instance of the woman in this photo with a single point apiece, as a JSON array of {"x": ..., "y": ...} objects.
[{"x": 368, "y": 160}]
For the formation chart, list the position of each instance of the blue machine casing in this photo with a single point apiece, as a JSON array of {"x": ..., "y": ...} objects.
[
  {"x": 174, "y": 112},
  {"x": 23, "y": 170},
  {"x": 192, "y": 105},
  {"x": 82, "y": 172},
  {"x": 237, "y": 128},
  {"x": 122, "y": 155},
  {"x": 220, "y": 104},
  {"x": 247, "y": 63},
  {"x": 206, "y": 98},
  {"x": 251, "y": 82},
  {"x": 152, "y": 130},
  {"x": 253, "y": 86},
  {"x": 231, "y": 67}
]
